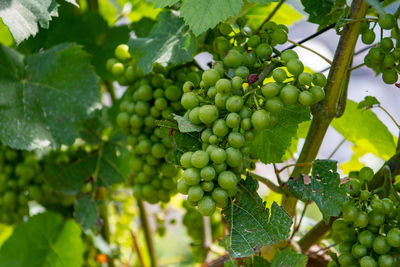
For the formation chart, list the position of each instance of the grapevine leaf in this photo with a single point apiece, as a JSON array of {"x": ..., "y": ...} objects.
[
  {"x": 323, "y": 188},
  {"x": 368, "y": 102},
  {"x": 251, "y": 225},
  {"x": 22, "y": 16},
  {"x": 286, "y": 15},
  {"x": 88, "y": 29},
  {"x": 86, "y": 213},
  {"x": 205, "y": 14},
  {"x": 164, "y": 3},
  {"x": 377, "y": 5},
  {"x": 185, "y": 125},
  {"x": 44, "y": 240},
  {"x": 324, "y": 12},
  {"x": 72, "y": 2},
  {"x": 263, "y": 2},
  {"x": 290, "y": 258},
  {"x": 270, "y": 144},
  {"x": 112, "y": 163},
  {"x": 168, "y": 42},
  {"x": 355, "y": 125},
  {"x": 259, "y": 261},
  {"x": 46, "y": 96},
  {"x": 143, "y": 27}
]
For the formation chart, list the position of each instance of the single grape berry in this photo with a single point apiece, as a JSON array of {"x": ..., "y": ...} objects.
[
  {"x": 264, "y": 51},
  {"x": 305, "y": 78},
  {"x": 306, "y": 98},
  {"x": 208, "y": 114},
  {"x": 206, "y": 206},
  {"x": 279, "y": 75},
  {"x": 210, "y": 77},
  {"x": 260, "y": 119},
  {"x": 122, "y": 52},
  {"x": 289, "y": 94},
  {"x": 288, "y": 55},
  {"x": 368, "y": 37},
  {"x": 233, "y": 59},
  {"x": 387, "y": 44},
  {"x": 386, "y": 21},
  {"x": 295, "y": 67},
  {"x": 189, "y": 100},
  {"x": 270, "y": 89},
  {"x": 390, "y": 76}
]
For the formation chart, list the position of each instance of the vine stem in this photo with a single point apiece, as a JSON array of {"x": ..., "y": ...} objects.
[
  {"x": 337, "y": 148},
  {"x": 271, "y": 14},
  {"x": 327, "y": 110},
  {"x": 390, "y": 115},
  {"x": 294, "y": 165},
  {"x": 311, "y": 50},
  {"x": 356, "y": 67},
  {"x": 267, "y": 182},
  {"x": 137, "y": 248},
  {"x": 147, "y": 233},
  {"x": 314, "y": 235}
]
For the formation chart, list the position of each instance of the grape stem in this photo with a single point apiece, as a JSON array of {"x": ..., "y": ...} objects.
[
  {"x": 324, "y": 114},
  {"x": 147, "y": 233},
  {"x": 268, "y": 183},
  {"x": 356, "y": 67},
  {"x": 311, "y": 50},
  {"x": 390, "y": 116},
  {"x": 312, "y": 36},
  {"x": 297, "y": 227},
  {"x": 137, "y": 248},
  {"x": 294, "y": 165},
  {"x": 271, "y": 14},
  {"x": 358, "y": 20},
  {"x": 337, "y": 148}
]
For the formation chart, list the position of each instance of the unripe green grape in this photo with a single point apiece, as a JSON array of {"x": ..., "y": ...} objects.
[
  {"x": 219, "y": 68},
  {"x": 208, "y": 173},
  {"x": 295, "y": 67},
  {"x": 118, "y": 69},
  {"x": 270, "y": 89},
  {"x": 279, "y": 36},
  {"x": 233, "y": 120},
  {"x": 220, "y": 128},
  {"x": 236, "y": 140},
  {"x": 136, "y": 121},
  {"x": 237, "y": 83},
  {"x": 227, "y": 180},
  {"x": 364, "y": 195},
  {"x": 193, "y": 77},
  {"x": 387, "y": 206},
  {"x": 200, "y": 159},
  {"x": 122, "y": 52},
  {"x": 233, "y": 157},
  {"x": 123, "y": 120},
  {"x": 274, "y": 105},
  {"x": 205, "y": 135},
  {"x": 259, "y": 119},
  {"x": 289, "y": 94},
  {"x": 346, "y": 259},
  {"x": 220, "y": 167},
  {"x": 368, "y": 261},
  {"x": 219, "y": 195},
  {"x": 249, "y": 58},
  {"x": 366, "y": 238},
  {"x": 368, "y": 37},
  {"x": 213, "y": 139},
  {"x": 264, "y": 51},
  {"x": 234, "y": 103},
  {"x": 339, "y": 225},
  {"x": 225, "y": 29},
  {"x": 390, "y": 76},
  {"x": 221, "y": 45},
  {"x": 233, "y": 59},
  {"x": 246, "y": 123},
  {"x": 220, "y": 100},
  {"x": 306, "y": 98},
  {"x": 186, "y": 160},
  {"x": 173, "y": 93},
  {"x": 210, "y": 77},
  {"x": 242, "y": 72},
  {"x": 386, "y": 261},
  {"x": 319, "y": 79},
  {"x": 195, "y": 193},
  {"x": 361, "y": 220},
  {"x": 380, "y": 245},
  {"x": 386, "y": 21},
  {"x": 376, "y": 218},
  {"x": 396, "y": 53},
  {"x": 223, "y": 86},
  {"x": 110, "y": 63},
  {"x": 189, "y": 100},
  {"x": 158, "y": 151},
  {"x": 211, "y": 92},
  {"x": 305, "y": 78},
  {"x": 376, "y": 53},
  {"x": 207, "y": 206},
  {"x": 148, "y": 190},
  {"x": 254, "y": 41},
  {"x": 279, "y": 75},
  {"x": 194, "y": 115},
  {"x": 207, "y": 186},
  {"x": 355, "y": 186},
  {"x": 350, "y": 213},
  {"x": 387, "y": 44},
  {"x": 191, "y": 176},
  {"x": 218, "y": 155},
  {"x": 393, "y": 237},
  {"x": 359, "y": 251},
  {"x": 288, "y": 55},
  {"x": 157, "y": 80},
  {"x": 245, "y": 112},
  {"x": 130, "y": 74}
]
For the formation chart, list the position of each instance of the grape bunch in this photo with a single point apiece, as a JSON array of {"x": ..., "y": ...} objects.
[
  {"x": 368, "y": 233},
  {"x": 385, "y": 57},
  {"x": 151, "y": 97},
  {"x": 230, "y": 114}
]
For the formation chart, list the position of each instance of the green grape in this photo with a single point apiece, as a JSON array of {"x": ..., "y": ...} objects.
[
  {"x": 368, "y": 261},
  {"x": 270, "y": 89},
  {"x": 359, "y": 251},
  {"x": 195, "y": 193},
  {"x": 361, "y": 220},
  {"x": 366, "y": 238},
  {"x": 233, "y": 59},
  {"x": 200, "y": 159},
  {"x": 186, "y": 160},
  {"x": 218, "y": 155},
  {"x": 189, "y": 100},
  {"x": 254, "y": 41},
  {"x": 279, "y": 75},
  {"x": 208, "y": 173},
  {"x": 260, "y": 119},
  {"x": 233, "y": 157},
  {"x": 305, "y": 78},
  {"x": 289, "y": 94},
  {"x": 210, "y": 77},
  {"x": 118, "y": 69},
  {"x": 390, "y": 76},
  {"x": 225, "y": 29},
  {"x": 319, "y": 79},
  {"x": 295, "y": 67},
  {"x": 380, "y": 245},
  {"x": 220, "y": 128},
  {"x": 288, "y": 55},
  {"x": 207, "y": 186},
  {"x": 264, "y": 51},
  {"x": 366, "y": 174},
  {"x": 274, "y": 105},
  {"x": 227, "y": 180},
  {"x": 393, "y": 237},
  {"x": 207, "y": 206},
  {"x": 242, "y": 72},
  {"x": 368, "y": 37},
  {"x": 386, "y": 21},
  {"x": 306, "y": 98},
  {"x": 387, "y": 44},
  {"x": 223, "y": 86},
  {"x": 219, "y": 195},
  {"x": 233, "y": 120},
  {"x": 385, "y": 261},
  {"x": 234, "y": 104},
  {"x": 122, "y": 52},
  {"x": 191, "y": 176},
  {"x": 236, "y": 140}
]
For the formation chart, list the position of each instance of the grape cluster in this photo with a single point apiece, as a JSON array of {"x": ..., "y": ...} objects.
[
  {"x": 384, "y": 58},
  {"x": 369, "y": 230},
  {"x": 151, "y": 97},
  {"x": 230, "y": 114}
]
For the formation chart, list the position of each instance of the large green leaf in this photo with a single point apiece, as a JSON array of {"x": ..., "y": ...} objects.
[
  {"x": 205, "y": 14},
  {"x": 365, "y": 131},
  {"x": 44, "y": 240},
  {"x": 324, "y": 12},
  {"x": 112, "y": 163},
  {"x": 290, "y": 258},
  {"x": 269, "y": 145},
  {"x": 323, "y": 188},
  {"x": 286, "y": 15},
  {"x": 168, "y": 42},
  {"x": 88, "y": 29},
  {"x": 251, "y": 225},
  {"x": 86, "y": 213},
  {"x": 44, "y": 97}
]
